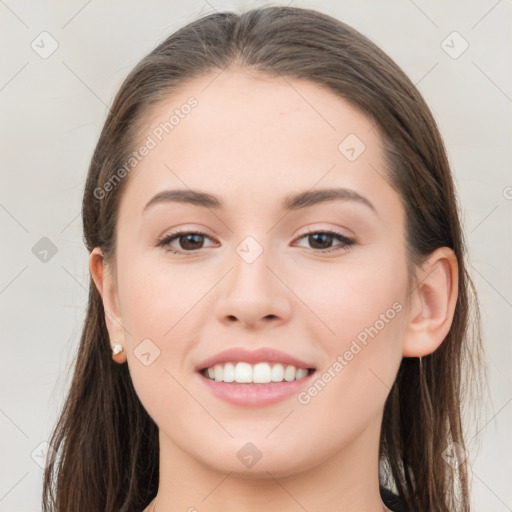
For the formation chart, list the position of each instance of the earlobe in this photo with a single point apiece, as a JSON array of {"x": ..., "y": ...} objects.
[
  {"x": 432, "y": 303},
  {"x": 104, "y": 283}
]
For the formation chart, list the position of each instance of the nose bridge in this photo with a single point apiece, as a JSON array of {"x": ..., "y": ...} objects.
[
  {"x": 251, "y": 276},
  {"x": 252, "y": 291}
]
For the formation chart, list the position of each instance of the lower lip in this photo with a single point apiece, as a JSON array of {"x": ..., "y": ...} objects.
[{"x": 254, "y": 395}]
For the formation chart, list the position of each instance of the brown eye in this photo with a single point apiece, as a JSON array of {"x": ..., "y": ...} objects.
[
  {"x": 188, "y": 241},
  {"x": 191, "y": 241},
  {"x": 322, "y": 240}
]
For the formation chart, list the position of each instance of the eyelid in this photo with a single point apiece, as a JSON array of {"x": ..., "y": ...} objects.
[
  {"x": 347, "y": 241},
  {"x": 165, "y": 239},
  {"x": 333, "y": 230}
]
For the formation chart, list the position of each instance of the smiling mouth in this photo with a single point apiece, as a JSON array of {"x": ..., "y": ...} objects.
[{"x": 260, "y": 373}]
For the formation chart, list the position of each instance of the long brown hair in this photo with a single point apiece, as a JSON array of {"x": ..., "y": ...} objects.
[{"x": 106, "y": 442}]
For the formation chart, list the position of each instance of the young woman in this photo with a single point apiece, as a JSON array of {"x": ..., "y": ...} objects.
[{"x": 280, "y": 316}]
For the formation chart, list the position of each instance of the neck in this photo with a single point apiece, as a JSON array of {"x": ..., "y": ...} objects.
[{"x": 347, "y": 480}]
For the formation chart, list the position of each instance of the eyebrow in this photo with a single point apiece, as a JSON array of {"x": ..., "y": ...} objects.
[{"x": 291, "y": 202}]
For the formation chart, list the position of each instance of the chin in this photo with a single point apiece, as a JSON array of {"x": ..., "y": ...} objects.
[{"x": 267, "y": 466}]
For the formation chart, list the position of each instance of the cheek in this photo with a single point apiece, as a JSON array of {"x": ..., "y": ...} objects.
[
  {"x": 354, "y": 293},
  {"x": 156, "y": 311},
  {"x": 362, "y": 308},
  {"x": 155, "y": 295},
  {"x": 155, "y": 308}
]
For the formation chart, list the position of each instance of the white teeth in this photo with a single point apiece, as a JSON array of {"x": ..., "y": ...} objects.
[
  {"x": 301, "y": 373},
  {"x": 229, "y": 372},
  {"x": 289, "y": 373},
  {"x": 243, "y": 372},
  {"x": 277, "y": 373},
  {"x": 260, "y": 373}
]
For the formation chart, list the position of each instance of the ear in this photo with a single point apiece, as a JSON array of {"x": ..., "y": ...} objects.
[
  {"x": 105, "y": 284},
  {"x": 432, "y": 303}
]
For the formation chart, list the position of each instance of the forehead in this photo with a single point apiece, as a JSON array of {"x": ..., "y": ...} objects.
[{"x": 256, "y": 137}]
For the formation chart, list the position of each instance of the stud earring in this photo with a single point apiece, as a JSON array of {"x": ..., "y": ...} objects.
[{"x": 116, "y": 349}]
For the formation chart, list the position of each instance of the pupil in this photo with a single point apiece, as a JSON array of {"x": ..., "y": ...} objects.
[
  {"x": 320, "y": 235},
  {"x": 188, "y": 237}
]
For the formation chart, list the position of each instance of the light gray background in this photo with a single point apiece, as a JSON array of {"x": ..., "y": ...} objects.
[{"x": 52, "y": 111}]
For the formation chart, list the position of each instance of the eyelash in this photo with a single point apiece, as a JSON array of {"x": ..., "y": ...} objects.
[{"x": 347, "y": 242}]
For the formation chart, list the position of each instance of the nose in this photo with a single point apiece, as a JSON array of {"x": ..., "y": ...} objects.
[{"x": 254, "y": 294}]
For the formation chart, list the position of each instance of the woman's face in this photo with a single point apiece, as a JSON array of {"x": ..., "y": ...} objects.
[{"x": 254, "y": 278}]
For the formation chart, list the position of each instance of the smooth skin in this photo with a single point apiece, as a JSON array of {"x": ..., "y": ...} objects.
[{"x": 251, "y": 141}]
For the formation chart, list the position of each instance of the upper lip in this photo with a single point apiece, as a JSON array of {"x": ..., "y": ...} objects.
[{"x": 238, "y": 354}]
